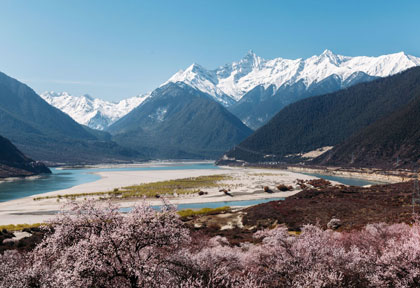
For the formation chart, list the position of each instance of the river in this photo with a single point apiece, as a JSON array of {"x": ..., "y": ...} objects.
[{"x": 63, "y": 178}]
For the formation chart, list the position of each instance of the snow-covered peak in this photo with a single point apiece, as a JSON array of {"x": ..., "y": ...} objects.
[
  {"x": 236, "y": 79},
  {"x": 199, "y": 78},
  {"x": 328, "y": 54},
  {"x": 250, "y": 60},
  {"x": 330, "y": 58},
  {"x": 93, "y": 112}
]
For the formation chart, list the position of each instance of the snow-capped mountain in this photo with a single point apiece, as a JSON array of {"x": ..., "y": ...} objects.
[
  {"x": 93, "y": 112},
  {"x": 255, "y": 89},
  {"x": 236, "y": 79}
]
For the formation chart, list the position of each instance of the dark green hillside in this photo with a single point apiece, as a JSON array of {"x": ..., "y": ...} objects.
[
  {"x": 26, "y": 107},
  {"x": 14, "y": 163},
  {"x": 392, "y": 142},
  {"x": 178, "y": 121},
  {"x": 44, "y": 132},
  {"x": 329, "y": 119}
]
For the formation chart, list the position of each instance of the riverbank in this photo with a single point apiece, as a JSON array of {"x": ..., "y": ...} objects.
[
  {"x": 243, "y": 183},
  {"x": 153, "y": 163},
  {"x": 370, "y": 174}
]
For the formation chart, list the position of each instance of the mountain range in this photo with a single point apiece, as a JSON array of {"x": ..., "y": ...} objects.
[
  {"x": 369, "y": 124},
  {"x": 200, "y": 113},
  {"x": 89, "y": 111},
  {"x": 260, "y": 88},
  {"x": 253, "y": 89}
]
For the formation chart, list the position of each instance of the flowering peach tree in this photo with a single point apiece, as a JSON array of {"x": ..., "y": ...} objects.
[{"x": 95, "y": 245}]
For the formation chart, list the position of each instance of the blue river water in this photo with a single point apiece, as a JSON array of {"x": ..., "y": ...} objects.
[
  {"x": 214, "y": 204},
  {"x": 345, "y": 180}
]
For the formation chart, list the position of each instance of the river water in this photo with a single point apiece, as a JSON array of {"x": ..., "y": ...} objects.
[{"x": 345, "y": 180}]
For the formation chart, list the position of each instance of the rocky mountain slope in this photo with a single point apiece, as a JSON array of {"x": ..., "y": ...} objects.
[
  {"x": 177, "y": 121},
  {"x": 14, "y": 163},
  {"x": 328, "y": 120}
]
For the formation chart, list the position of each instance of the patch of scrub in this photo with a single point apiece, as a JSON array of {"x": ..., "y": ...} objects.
[{"x": 162, "y": 188}]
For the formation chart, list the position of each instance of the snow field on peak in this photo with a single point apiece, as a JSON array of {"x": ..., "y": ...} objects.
[
  {"x": 236, "y": 79},
  {"x": 83, "y": 109}
]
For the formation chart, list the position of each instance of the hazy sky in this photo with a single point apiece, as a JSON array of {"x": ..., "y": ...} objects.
[{"x": 118, "y": 49}]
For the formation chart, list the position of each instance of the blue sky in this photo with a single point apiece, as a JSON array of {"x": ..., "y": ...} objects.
[{"x": 118, "y": 49}]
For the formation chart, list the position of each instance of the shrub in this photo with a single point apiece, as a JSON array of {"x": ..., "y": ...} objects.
[
  {"x": 283, "y": 187},
  {"x": 204, "y": 211},
  {"x": 319, "y": 183}
]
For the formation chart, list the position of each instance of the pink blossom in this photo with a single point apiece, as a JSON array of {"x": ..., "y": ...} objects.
[{"x": 94, "y": 245}]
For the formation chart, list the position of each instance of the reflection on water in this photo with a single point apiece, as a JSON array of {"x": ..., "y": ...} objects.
[{"x": 67, "y": 178}]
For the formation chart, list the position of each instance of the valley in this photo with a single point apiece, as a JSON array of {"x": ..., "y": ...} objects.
[
  {"x": 201, "y": 114},
  {"x": 195, "y": 116},
  {"x": 328, "y": 143},
  {"x": 241, "y": 184},
  {"x": 209, "y": 144}
]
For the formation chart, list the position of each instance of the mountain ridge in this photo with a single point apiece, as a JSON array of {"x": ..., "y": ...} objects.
[
  {"x": 178, "y": 121},
  {"x": 238, "y": 78}
]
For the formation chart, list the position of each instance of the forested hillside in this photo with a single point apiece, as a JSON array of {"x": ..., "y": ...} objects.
[
  {"x": 328, "y": 120},
  {"x": 392, "y": 142},
  {"x": 178, "y": 121}
]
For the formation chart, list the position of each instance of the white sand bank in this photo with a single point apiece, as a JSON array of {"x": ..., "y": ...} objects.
[{"x": 246, "y": 184}]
